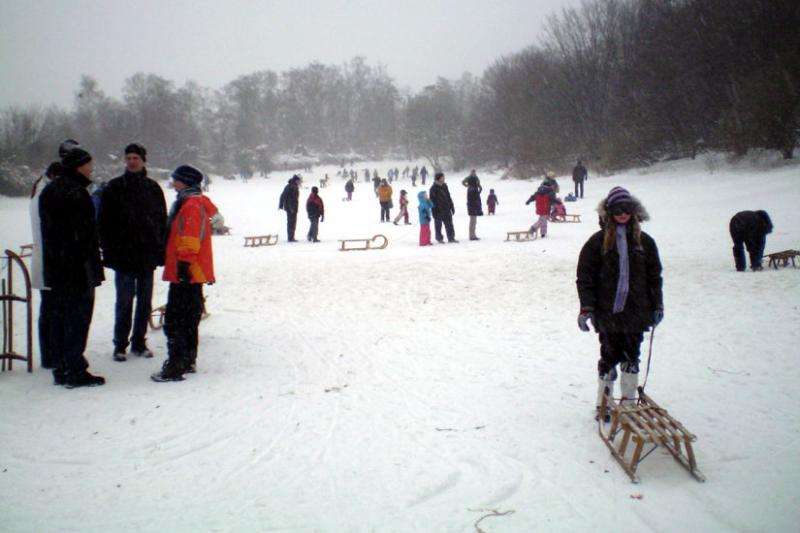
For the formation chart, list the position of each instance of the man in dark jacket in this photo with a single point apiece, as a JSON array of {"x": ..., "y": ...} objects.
[
  {"x": 71, "y": 266},
  {"x": 474, "y": 209},
  {"x": 750, "y": 229},
  {"x": 289, "y": 202},
  {"x": 579, "y": 175},
  {"x": 619, "y": 287},
  {"x": 133, "y": 216},
  {"x": 443, "y": 209}
]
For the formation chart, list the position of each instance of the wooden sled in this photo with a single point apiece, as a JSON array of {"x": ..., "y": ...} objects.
[
  {"x": 782, "y": 258},
  {"x": 9, "y": 300},
  {"x": 520, "y": 235},
  {"x": 645, "y": 424},
  {"x": 565, "y": 218},
  {"x": 367, "y": 244},
  {"x": 26, "y": 250},
  {"x": 261, "y": 240},
  {"x": 157, "y": 315}
]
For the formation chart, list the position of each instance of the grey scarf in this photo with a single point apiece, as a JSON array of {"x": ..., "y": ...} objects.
[
  {"x": 193, "y": 190},
  {"x": 624, "y": 270}
]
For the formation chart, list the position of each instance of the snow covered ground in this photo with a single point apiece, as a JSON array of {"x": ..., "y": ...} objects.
[{"x": 415, "y": 389}]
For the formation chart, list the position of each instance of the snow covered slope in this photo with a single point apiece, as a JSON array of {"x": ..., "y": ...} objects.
[{"x": 415, "y": 389}]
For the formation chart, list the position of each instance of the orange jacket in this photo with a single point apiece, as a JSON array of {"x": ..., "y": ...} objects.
[
  {"x": 190, "y": 240},
  {"x": 385, "y": 193}
]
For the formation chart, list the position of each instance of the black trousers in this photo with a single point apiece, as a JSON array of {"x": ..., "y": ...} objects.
[
  {"x": 131, "y": 285},
  {"x": 619, "y": 347},
  {"x": 447, "y": 220},
  {"x": 385, "y": 212},
  {"x": 313, "y": 230},
  {"x": 579, "y": 186},
  {"x": 181, "y": 321},
  {"x": 49, "y": 359},
  {"x": 291, "y": 224},
  {"x": 71, "y": 317},
  {"x": 755, "y": 248}
]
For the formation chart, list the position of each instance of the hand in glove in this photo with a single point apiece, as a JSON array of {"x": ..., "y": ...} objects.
[
  {"x": 658, "y": 316},
  {"x": 453, "y": 211},
  {"x": 583, "y": 319},
  {"x": 184, "y": 276},
  {"x": 322, "y": 218}
]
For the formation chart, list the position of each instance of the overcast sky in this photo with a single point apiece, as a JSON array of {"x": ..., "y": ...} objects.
[{"x": 45, "y": 45}]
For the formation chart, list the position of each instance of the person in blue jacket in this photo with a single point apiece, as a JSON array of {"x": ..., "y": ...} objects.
[{"x": 425, "y": 206}]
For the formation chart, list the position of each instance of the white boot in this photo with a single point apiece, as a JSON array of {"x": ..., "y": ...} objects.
[
  {"x": 601, "y": 387},
  {"x": 627, "y": 383}
]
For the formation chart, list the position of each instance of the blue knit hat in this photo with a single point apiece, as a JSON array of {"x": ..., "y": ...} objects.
[
  {"x": 188, "y": 175},
  {"x": 618, "y": 195}
]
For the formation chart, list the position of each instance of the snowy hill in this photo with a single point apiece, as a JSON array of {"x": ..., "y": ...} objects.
[{"x": 414, "y": 389}]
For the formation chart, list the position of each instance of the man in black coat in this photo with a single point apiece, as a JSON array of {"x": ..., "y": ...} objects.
[
  {"x": 132, "y": 220},
  {"x": 289, "y": 202},
  {"x": 750, "y": 229},
  {"x": 579, "y": 175},
  {"x": 443, "y": 208},
  {"x": 619, "y": 287},
  {"x": 71, "y": 266}
]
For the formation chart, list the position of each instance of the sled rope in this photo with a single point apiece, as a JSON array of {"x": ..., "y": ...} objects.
[{"x": 649, "y": 357}]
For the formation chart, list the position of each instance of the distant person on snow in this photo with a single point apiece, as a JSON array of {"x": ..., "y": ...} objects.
[
  {"x": 425, "y": 206},
  {"x": 750, "y": 229},
  {"x": 349, "y": 187},
  {"x": 423, "y": 174},
  {"x": 403, "y": 208},
  {"x": 544, "y": 197},
  {"x": 619, "y": 287},
  {"x": 443, "y": 209},
  {"x": 492, "y": 202},
  {"x": 289, "y": 201},
  {"x": 471, "y": 180},
  {"x": 474, "y": 208},
  {"x": 558, "y": 212},
  {"x": 316, "y": 213},
  {"x": 550, "y": 179},
  {"x": 579, "y": 175},
  {"x": 376, "y": 182},
  {"x": 188, "y": 264},
  {"x": 385, "y": 199}
]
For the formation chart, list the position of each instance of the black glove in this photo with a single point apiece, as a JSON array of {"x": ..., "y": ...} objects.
[
  {"x": 322, "y": 219},
  {"x": 184, "y": 276},
  {"x": 658, "y": 316},
  {"x": 583, "y": 319},
  {"x": 453, "y": 211}
]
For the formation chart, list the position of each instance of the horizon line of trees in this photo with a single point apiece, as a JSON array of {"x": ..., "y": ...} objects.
[{"x": 613, "y": 82}]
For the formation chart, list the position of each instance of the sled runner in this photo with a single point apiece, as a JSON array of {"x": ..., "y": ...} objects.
[
  {"x": 645, "y": 423},
  {"x": 8, "y": 299},
  {"x": 782, "y": 258},
  {"x": 520, "y": 235},
  {"x": 565, "y": 218},
  {"x": 367, "y": 244},
  {"x": 26, "y": 250},
  {"x": 261, "y": 240},
  {"x": 157, "y": 315}
]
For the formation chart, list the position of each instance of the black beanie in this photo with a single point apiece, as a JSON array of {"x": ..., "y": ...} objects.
[
  {"x": 75, "y": 158},
  {"x": 138, "y": 149},
  {"x": 66, "y": 146},
  {"x": 188, "y": 175}
]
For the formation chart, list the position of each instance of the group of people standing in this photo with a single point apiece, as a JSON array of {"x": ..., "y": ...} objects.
[{"x": 130, "y": 225}]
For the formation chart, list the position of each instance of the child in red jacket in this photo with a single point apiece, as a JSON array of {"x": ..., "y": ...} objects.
[{"x": 544, "y": 198}]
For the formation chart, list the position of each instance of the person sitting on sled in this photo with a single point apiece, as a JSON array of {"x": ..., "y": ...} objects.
[
  {"x": 558, "y": 213},
  {"x": 619, "y": 287}
]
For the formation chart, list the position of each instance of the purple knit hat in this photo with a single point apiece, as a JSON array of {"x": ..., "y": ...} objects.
[{"x": 618, "y": 195}]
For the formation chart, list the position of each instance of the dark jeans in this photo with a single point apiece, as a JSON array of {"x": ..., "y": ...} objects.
[
  {"x": 619, "y": 347},
  {"x": 70, "y": 320},
  {"x": 755, "y": 248},
  {"x": 291, "y": 224},
  {"x": 313, "y": 231},
  {"x": 447, "y": 220},
  {"x": 130, "y": 285},
  {"x": 181, "y": 320},
  {"x": 49, "y": 359},
  {"x": 385, "y": 211},
  {"x": 579, "y": 184}
]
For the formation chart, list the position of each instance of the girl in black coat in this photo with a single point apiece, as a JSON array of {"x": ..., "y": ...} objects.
[{"x": 619, "y": 287}]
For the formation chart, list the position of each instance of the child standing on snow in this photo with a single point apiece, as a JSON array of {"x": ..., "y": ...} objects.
[
  {"x": 543, "y": 197},
  {"x": 491, "y": 201},
  {"x": 403, "y": 208},
  {"x": 425, "y": 206},
  {"x": 316, "y": 213}
]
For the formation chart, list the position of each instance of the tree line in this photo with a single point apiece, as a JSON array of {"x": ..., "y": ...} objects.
[{"x": 614, "y": 82}]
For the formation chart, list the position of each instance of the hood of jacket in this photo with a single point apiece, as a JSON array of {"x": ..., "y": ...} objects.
[{"x": 639, "y": 211}]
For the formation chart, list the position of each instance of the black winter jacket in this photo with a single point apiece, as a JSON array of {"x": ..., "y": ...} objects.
[
  {"x": 750, "y": 225},
  {"x": 132, "y": 223},
  {"x": 290, "y": 197},
  {"x": 439, "y": 195},
  {"x": 70, "y": 248},
  {"x": 597, "y": 284},
  {"x": 474, "y": 207}
]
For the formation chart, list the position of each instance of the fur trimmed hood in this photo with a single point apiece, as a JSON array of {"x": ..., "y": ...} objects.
[{"x": 639, "y": 211}]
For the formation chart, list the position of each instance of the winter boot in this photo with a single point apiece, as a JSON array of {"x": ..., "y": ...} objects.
[
  {"x": 171, "y": 371},
  {"x": 119, "y": 354},
  {"x": 627, "y": 383},
  {"x": 142, "y": 351},
  {"x": 602, "y": 383},
  {"x": 84, "y": 379}
]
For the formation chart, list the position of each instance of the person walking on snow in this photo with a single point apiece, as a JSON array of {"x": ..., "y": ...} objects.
[
  {"x": 544, "y": 198},
  {"x": 132, "y": 222},
  {"x": 423, "y": 174},
  {"x": 316, "y": 213},
  {"x": 289, "y": 202},
  {"x": 424, "y": 209},
  {"x": 492, "y": 201},
  {"x": 619, "y": 288},
  {"x": 403, "y": 208},
  {"x": 579, "y": 175},
  {"x": 385, "y": 199},
  {"x": 188, "y": 264},
  {"x": 349, "y": 187}
]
